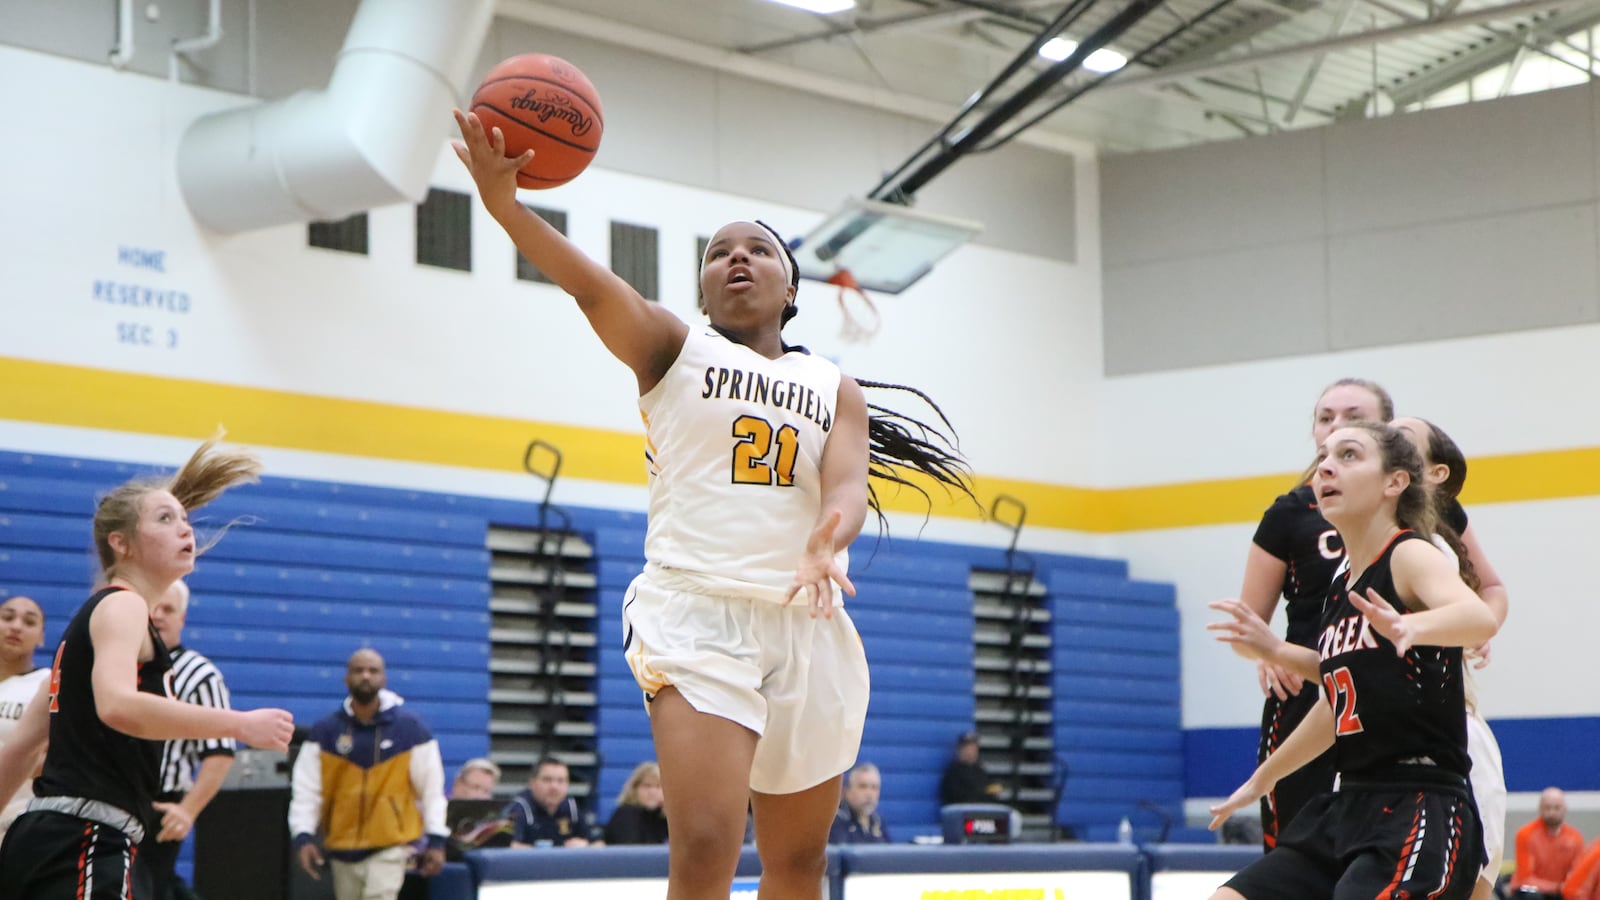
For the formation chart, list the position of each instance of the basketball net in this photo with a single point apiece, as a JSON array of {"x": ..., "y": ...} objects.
[{"x": 855, "y": 330}]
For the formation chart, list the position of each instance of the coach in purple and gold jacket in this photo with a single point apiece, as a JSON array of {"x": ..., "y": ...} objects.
[{"x": 369, "y": 781}]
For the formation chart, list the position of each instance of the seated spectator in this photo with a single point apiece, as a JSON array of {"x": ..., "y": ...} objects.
[
  {"x": 543, "y": 815},
  {"x": 476, "y": 780},
  {"x": 857, "y": 821},
  {"x": 1584, "y": 881},
  {"x": 639, "y": 817},
  {"x": 1547, "y": 848},
  {"x": 965, "y": 780}
]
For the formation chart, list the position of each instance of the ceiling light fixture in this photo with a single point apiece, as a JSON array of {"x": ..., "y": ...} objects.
[
  {"x": 1102, "y": 60},
  {"x": 821, "y": 7}
]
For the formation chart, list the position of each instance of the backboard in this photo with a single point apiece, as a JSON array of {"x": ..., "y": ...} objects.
[{"x": 885, "y": 247}]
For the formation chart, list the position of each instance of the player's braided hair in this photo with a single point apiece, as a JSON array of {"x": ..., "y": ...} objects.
[{"x": 898, "y": 442}]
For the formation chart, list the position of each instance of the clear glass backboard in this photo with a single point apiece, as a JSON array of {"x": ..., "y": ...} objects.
[{"x": 884, "y": 247}]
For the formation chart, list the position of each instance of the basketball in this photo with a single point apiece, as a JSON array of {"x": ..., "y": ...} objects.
[{"x": 544, "y": 104}]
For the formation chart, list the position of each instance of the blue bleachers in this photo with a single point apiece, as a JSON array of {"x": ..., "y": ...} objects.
[
  {"x": 1117, "y": 699},
  {"x": 312, "y": 570}
]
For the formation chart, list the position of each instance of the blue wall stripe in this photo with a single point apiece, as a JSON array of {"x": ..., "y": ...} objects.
[{"x": 1537, "y": 753}]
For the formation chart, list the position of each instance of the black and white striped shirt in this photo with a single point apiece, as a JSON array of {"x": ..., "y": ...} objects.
[{"x": 194, "y": 680}]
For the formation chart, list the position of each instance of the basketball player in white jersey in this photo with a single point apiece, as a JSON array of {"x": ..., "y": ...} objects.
[
  {"x": 21, "y": 633},
  {"x": 758, "y": 455}
]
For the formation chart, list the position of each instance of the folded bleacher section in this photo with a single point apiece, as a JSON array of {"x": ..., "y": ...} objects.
[{"x": 313, "y": 570}]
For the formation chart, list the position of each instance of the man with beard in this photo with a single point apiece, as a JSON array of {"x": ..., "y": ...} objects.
[{"x": 368, "y": 781}]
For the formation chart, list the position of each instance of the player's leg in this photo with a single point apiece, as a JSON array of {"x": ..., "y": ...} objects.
[
  {"x": 1489, "y": 792},
  {"x": 1286, "y": 873},
  {"x": 816, "y": 687},
  {"x": 705, "y": 781},
  {"x": 792, "y": 837}
]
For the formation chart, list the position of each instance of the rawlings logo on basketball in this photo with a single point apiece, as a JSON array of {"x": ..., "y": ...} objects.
[{"x": 555, "y": 106}]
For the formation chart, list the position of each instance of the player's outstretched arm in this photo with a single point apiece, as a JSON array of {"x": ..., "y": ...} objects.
[
  {"x": 1448, "y": 613},
  {"x": 117, "y": 629},
  {"x": 1263, "y": 584},
  {"x": 843, "y": 476},
  {"x": 1310, "y": 738},
  {"x": 1252, "y": 638},
  {"x": 643, "y": 335}
]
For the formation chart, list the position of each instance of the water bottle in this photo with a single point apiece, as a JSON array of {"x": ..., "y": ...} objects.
[{"x": 1124, "y": 831}]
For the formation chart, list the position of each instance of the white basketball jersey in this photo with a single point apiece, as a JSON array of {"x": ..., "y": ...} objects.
[
  {"x": 15, "y": 694},
  {"x": 733, "y": 446}
]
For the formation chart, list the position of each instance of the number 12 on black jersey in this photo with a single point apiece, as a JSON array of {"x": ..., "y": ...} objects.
[{"x": 1341, "y": 690}]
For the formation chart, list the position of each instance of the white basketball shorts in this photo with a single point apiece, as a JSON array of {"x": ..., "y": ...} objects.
[
  {"x": 1489, "y": 789},
  {"x": 799, "y": 683}
]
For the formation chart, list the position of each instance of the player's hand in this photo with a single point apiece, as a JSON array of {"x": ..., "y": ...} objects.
[
  {"x": 1278, "y": 681},
  {"x": 1243, "y": 630},
  {"x": 818, "y": 571},
  {"x": 269, "y": 729},
  {"x": 1479, "y": 655},
  {"x": 176, "y": 823},
  {"x": 1247, "y": 794},
  {"x": 483, "y": 152},
  {"x": 311, "y": 860},
  {"x": 1385, "y": 619},
  {"x": 431, "y": 862}
]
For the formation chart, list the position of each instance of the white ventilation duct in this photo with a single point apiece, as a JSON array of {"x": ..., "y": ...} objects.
[{"x": 369, "y": 139}]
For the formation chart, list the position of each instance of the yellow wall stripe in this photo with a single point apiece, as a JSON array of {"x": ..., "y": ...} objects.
[{"x": 54, "y": 394}]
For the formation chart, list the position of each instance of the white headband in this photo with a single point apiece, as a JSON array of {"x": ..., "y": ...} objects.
[{"x": 783, "y": 255}]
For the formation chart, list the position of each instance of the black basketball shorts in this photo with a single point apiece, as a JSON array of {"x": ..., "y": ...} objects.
[
  {"x": 1374, "y": 840},
  {"x": 54, "y": 856}
]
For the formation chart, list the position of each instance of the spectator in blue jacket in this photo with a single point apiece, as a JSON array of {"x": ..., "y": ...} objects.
[
  {"x": 544, "y": 816},
  {"x": 857, "y": 821}
]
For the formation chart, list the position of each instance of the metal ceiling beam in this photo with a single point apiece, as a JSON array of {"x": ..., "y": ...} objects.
[
  {"x": 1497, "y": 52},
  {"x": 706, "y": 56},
  {"x": 1517, "y": 60},
  {"x": 1264, "y": 20},
  {"x": 1169, "y": 74},
  {"x": 1340, "y": 18},
  {"x": 937, "y": 17}
]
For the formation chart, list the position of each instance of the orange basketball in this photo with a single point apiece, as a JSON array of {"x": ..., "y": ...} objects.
[{"x": 544, "y": 104}]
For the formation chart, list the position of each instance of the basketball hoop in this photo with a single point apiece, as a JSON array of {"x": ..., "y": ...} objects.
[
  {"x": 854, "y": 330},
  {"x": 880, "y": 247}
]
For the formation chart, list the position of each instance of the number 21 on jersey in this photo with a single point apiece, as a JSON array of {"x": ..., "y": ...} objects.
[
  {"x": 756, "y": 439},
  {"x": 1341, "y": 690}
]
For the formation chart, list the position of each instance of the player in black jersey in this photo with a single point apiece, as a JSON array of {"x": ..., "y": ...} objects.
[
  {"x": 1294, "y": 555},
  {"x": 1402, "y": 822},
  {"x": 107, "y": 707}
]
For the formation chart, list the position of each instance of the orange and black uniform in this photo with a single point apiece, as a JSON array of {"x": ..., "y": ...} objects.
[
  {"x": 92, "y": 801},
  {"x": 1294, "y": 531},
  {"x": 1402, "y": 822}
]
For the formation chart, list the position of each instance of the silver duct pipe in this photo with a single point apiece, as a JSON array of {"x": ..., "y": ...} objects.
[
  {"x": 203, "y": 41},
  {"x": 369, "y": 139}
]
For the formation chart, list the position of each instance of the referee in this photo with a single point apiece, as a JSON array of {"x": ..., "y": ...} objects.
[{"x": 191, "y": 771}]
